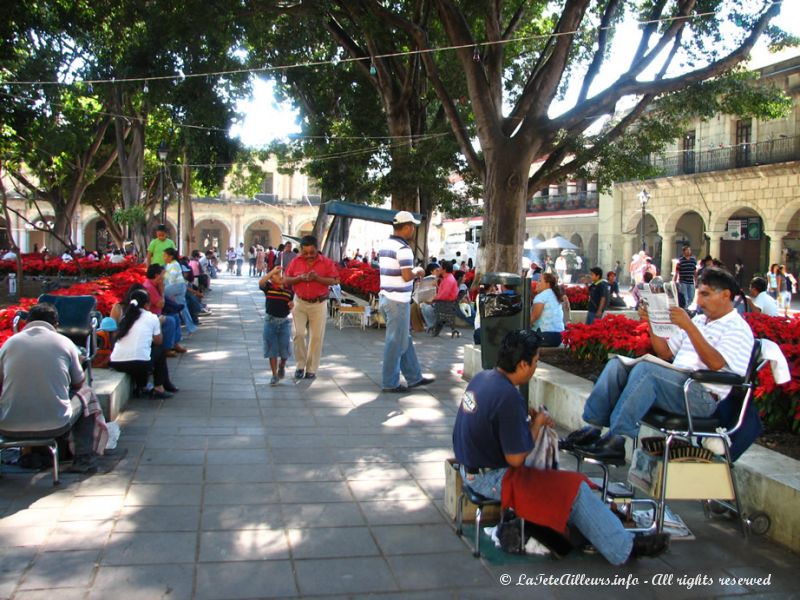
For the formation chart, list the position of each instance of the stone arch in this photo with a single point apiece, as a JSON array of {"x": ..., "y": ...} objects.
[
  {"x": 211, "y": 231},
  {"x": 592, "y": 251},
  {"x": 95, "y": 234},
  {"x": 787, "y": 218},
  {"x": 305, "y": 227},
  {"x": 754, "y": 253},
  {"x": 652, "y": 235},
  {"x": 689, "y": 229},
  {"x": 576, "y": 239},
  {"x": 720, "y": 220},
  {"x": 262, "y": 231},
  {"x": 41, "y": 239},
  {"x": 672, "y": 219}
]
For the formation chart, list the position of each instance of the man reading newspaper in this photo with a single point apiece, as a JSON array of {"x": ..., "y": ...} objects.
[{"x": 719, "y": 339}]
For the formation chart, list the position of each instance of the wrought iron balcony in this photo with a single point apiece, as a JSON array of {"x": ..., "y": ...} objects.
[
  {"x": 556, "y": 202},
  {"x": 779, "y": 150}
]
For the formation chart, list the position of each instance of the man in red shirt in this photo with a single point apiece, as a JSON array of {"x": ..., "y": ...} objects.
[{"x": 310, "y": 274}]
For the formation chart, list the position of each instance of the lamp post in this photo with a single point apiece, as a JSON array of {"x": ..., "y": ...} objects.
[
  {"x": 163, "y": 152},
  {"x": 179, "y": 189},
  {"x": 644, "y": 197}
]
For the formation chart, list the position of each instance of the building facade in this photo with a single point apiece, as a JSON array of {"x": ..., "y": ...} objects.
[
  {"x": 286, "y": 206},
  {"x": 730, "y": 189}
]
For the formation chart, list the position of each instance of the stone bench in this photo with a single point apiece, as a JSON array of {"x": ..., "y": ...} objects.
[{"x": 113, "y": 390}]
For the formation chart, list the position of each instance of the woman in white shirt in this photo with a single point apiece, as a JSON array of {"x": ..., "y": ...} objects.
[
  {"x": 138, "y": 349},
  {"x": 547, "y": 315}
]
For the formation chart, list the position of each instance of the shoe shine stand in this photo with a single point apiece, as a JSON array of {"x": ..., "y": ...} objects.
[{"x": 617, "y": 493}]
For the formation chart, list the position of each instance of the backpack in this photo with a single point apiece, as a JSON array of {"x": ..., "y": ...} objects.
[{"x": 103, "y": 354}]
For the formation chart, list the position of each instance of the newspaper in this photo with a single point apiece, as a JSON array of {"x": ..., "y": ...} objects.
[
  {"x": 659, "y": 298},
  {"x": 629, "y": 362}
]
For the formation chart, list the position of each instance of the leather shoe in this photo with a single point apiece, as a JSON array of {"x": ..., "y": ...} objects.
[
  {"x": 650, "y": 545},
  {"x": 585, "y": 436},
  {"x": 609, "y": 450},
  {"x": 299, "y": 373},
  {"x": 423, "y": 381},
  {"x": 400, "y": 389}
]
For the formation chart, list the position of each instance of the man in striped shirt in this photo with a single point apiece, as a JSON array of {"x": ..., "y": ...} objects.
[
  {"x": 685, "y": 276},
  {"x": 397, "y": 281},
  {"x": 719, "y": 339}
]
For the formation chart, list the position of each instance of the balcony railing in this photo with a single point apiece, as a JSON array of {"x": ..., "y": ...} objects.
[
  {"x": 568, "y": 201},
  {"x": 734, "y": 157}
]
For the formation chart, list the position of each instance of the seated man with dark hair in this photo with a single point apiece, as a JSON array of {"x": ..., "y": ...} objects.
[
  {"x": 493, "y": 435},
  {"x": 759, "y": 300},
  {"x": 719, "y": 340},
  {"x": 40, "y": 371}
]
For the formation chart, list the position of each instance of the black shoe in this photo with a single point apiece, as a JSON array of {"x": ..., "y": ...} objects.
[
  {"x": 649, "y": 545},
  {"x": 299, "y": 373},
  {"x": 160, "y": 395},
  {"x": 311, "y": 376},
  {"x": 423, "y": 381},
  {"x": 609, "y": 450},
  {"x": 400, "y": 389},
  {"x": 171, "y": 388},
  {"x": 585, "y": 436}
]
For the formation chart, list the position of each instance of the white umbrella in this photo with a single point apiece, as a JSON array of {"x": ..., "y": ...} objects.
[{"x": 556, "y": 243}]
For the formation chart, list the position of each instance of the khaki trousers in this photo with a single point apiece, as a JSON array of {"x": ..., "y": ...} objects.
[{"x": 309, "y": 318}]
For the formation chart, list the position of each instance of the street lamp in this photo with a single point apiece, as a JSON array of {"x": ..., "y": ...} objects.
[
  {"x": 179, "y": 189},
  {"x": 163, "y": 152},
  {"x": 644, "y": 197}
]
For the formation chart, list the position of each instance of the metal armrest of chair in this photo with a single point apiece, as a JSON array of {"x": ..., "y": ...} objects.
[
  {"x": 723, "y": 377},
  {"x": 22, "y": 315}
]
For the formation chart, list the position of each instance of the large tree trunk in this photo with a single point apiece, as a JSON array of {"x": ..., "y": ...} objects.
[
  {"x": 61, "y": 234},
  {"x": 505, "y": 189}
]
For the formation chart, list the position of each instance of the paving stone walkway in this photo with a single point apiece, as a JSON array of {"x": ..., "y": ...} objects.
[{"x": 235, "y": 489}]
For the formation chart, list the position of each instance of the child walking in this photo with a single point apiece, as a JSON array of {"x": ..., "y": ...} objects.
[{"x": 277, "y": 327}]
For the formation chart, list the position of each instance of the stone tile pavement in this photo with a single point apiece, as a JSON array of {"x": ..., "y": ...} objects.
[{"x": 235, "y": 489}]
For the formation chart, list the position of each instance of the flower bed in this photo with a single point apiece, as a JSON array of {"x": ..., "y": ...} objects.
[
  {"x": 578, "y": 296},
  {"x": 779, "y": 404},
  {"x": 108, "y": 291},
  {"x": 34, "y": 264},
  {"x": 359, "y": 278}
]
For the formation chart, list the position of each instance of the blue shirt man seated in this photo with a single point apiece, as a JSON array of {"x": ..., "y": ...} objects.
[
  {"x": 719, "y": 339},
  {"x": 495, "y": 432},
  {"x": 40, "y": 370}
]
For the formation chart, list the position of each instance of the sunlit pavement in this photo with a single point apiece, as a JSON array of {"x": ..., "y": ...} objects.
[{"x": 235, "y": 489}]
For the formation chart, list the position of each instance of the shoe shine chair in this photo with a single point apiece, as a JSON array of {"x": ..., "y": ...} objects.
[
  {"x": 445, "y": 315},
  {"x": 78, "y": 320},
  {"x": 696, "y": 429},
  {"x": 685, "y": 430}
]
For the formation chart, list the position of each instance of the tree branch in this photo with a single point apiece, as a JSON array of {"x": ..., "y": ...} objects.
[
  {"x": 602, "y": 43},
  {"x": 605, "y": 101},
  {"x": 543, "y": 81},
  {"x": 547, "y": 175}
]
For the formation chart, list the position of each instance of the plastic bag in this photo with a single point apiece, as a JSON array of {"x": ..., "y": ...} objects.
[
  {"x": 501, "y": 305},
  {"x": 113, "y": 435}
]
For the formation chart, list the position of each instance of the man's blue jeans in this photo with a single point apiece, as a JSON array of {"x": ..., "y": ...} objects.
[
  {"x": 589, "y": 515},
  {"x": 398, "y": 349},
  {"x": 177, "y": 293},
  {"x": 687, "y": 290},
  {"x": 622, "y": 396}
]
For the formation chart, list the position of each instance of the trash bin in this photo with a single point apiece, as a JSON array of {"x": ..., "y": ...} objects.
[{"x": 502, "y": 312}]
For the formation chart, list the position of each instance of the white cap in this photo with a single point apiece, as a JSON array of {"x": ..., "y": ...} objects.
[{"x": 404, "y": 216}]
